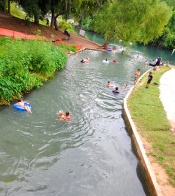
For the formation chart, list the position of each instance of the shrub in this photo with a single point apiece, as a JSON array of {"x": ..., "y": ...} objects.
[{"x": 26, "y": 64}]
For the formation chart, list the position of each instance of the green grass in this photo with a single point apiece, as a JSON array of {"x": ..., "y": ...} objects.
[{"x": 151, "y": 121}]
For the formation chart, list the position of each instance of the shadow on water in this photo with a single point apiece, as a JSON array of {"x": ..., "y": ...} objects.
[{"x": 90, "y": 155}]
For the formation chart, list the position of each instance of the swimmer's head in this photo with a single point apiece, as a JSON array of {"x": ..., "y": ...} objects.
[
  {"x": 19, "y": 100},
  {"x": 67, "y": 113}
]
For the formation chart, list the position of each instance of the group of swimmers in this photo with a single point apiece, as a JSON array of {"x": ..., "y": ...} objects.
[
  {"x": 156, "y": 62},
  {"x": 116, "y": 89},
  {"x": 87, "y": 60},
  {"x": 24, "y": 104},
  {"x": 107, "y": 61}
]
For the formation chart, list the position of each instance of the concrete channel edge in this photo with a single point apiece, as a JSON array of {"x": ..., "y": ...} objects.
[{"x": 148, "y": 174}]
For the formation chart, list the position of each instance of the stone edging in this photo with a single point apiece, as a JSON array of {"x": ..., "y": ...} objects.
[
  {"x": 94, "y": 49},
  {"x": 148, "y": 174}
]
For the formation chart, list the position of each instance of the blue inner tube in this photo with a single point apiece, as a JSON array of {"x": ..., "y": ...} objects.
[
  {"x": 109, "y": 49},
  {"x": 20, "y": 108}
]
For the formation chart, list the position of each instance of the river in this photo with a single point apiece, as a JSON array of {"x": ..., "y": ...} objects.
[{"x": 90, "y": 155}]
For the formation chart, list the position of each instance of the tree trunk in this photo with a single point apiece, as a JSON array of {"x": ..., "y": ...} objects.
[
  {"x": 36, "y": 20},
  {"x": 4, "y": 5},
  {"x": 106, "y": 44},
  {"x": 52, "y": 19},
  {"x": 9, "y": 6},
  {"x": 55, "y": 22}
]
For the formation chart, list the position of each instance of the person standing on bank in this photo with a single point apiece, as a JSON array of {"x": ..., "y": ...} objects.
[
  {"x": 158, "y": 60},
  {"x": 150, "y": 77}
]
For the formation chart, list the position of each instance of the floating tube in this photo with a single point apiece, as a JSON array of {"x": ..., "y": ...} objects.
[
  {"x": 109, "y": 49},
  {"x": 105, "y": 61},
  {"x": 20, "y": 108}
]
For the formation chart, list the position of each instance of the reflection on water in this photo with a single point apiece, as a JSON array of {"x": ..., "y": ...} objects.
[{"x": 90, "y": 155}]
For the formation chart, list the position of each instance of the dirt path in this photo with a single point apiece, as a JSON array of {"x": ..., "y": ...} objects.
[{"x": 17, "y": 27}]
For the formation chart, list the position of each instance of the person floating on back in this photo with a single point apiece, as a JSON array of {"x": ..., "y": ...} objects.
[
  {"x": 23, "y": 104},
  {"x": 150, "y": 77}
]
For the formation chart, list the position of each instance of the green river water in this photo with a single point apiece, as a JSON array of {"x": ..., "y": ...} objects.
[{"x": 91, "y": 155}]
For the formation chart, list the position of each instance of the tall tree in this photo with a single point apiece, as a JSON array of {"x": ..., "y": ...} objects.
[
  {"x": 64, "y": 8},
  {"x": 87, "y": 8},
  {"x": 31, "y": 7},
  {"x": 9, "y": 1},
  {"x": 168, "y": 37},
  {"x": 133, "y": 20},
  {"x": 5, "y": 5}
]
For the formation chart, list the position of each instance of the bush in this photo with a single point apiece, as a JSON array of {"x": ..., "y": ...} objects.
[{"x": 26, "y": 64}]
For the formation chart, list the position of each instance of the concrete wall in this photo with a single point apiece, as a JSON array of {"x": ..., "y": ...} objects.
[{"x": 148, "y": 174}]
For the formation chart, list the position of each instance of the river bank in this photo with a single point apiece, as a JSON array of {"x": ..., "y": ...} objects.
[{"x": 150, "y": 122}]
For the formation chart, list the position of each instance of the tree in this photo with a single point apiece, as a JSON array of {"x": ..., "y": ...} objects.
[
  {"x": 168, "y": 37},
  {"x": 31, "y": 7},
  {"x": 133, "y": 20},
  {"x": 87, "y": 8},
  {"x": 3, "y": 5}
]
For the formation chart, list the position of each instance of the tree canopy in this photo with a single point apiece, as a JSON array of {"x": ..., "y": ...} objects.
[
  {"x": 132, "y": 21},
  {"x": 167, "y": 39}
]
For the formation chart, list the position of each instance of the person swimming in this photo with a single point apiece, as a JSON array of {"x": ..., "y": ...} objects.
[
  {"x": 116, "y": 90},
  {"x": 125, "y": 87},
  {"x": 64, "y": 116},
  {"x": 109, "y": 84},
  {"x": 85, "y": 60}
]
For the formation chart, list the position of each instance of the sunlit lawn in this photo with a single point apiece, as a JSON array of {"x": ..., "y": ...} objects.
[{"x": 150, "y": 118}]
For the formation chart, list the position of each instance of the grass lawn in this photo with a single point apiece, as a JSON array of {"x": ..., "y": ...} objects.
[{"x": 150, "y": 119}]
